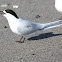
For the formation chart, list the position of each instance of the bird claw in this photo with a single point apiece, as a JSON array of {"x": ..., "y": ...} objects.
[{"x": 20, "y": 41}]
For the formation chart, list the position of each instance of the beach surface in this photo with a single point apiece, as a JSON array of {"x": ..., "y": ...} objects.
[{"x": 41, "y": 47}]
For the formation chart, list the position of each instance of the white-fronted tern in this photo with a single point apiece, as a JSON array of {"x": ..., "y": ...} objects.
[{"x": 24, "y": 27}]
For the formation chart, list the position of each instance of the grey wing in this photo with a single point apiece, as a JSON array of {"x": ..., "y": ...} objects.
[
  {"x": 31, "y": 25},
  {"x": 28, "y": 24},
  {"x": 35, "y": 26},
  {"x": 28, "y": 27}
]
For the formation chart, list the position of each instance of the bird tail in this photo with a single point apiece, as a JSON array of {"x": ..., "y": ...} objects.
[{"x": 51, "y": 25}]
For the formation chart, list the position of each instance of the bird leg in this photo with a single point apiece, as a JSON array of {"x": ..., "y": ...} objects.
[{"x": 21, "y": 39}]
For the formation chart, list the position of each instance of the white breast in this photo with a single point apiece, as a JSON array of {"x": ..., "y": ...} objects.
[{"x": 13, "y": 23}]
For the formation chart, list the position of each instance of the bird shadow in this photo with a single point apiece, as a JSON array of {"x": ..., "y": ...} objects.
[{"x": 43, "y": 36}]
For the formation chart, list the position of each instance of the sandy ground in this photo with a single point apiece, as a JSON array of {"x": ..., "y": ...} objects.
[{"x": 45, "y": 47}]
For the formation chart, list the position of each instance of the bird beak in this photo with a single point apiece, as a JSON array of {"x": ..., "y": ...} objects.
[{"x": 1, "y": 12}]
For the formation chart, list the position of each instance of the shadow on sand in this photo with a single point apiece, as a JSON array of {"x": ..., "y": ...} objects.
[{"x": 43, "y": 36}]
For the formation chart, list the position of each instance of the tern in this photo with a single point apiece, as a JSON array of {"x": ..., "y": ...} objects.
[{"x": 24, "y": 27}]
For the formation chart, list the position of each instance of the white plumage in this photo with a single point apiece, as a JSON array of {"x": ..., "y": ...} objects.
[{"x": 24, "y": 27}]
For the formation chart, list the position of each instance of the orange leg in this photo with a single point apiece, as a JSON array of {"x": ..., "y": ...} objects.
[{"x": 21, "y": 39}]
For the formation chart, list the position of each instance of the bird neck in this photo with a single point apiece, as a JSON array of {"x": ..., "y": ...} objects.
[
  {"x": 10, "y": 17},
  {"x": 12, "y": 20}
]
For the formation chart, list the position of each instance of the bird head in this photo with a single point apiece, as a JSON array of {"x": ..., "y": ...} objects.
[{"x": 8, "y": 13}]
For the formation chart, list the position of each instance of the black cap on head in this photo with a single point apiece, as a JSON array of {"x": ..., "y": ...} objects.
[{"x": 11, "y": 12}]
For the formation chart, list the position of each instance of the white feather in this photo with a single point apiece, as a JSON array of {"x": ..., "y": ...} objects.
[{"x": 25, "y": 27}]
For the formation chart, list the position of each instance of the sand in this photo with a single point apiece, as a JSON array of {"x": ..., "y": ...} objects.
[{"x": 43, "y": 47}]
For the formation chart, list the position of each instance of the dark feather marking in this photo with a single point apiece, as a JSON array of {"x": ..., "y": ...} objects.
[{"x": 11, "y": 12}]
